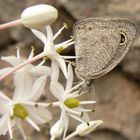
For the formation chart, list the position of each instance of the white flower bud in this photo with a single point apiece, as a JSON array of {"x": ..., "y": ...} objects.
[
  {"x": 56, "y": 130},
  {"x": 84, "y": 128},
  {"x": 38, "y": 16}
]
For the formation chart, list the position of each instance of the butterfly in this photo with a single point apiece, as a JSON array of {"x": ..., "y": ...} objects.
[{"x": 100, "y": 44}]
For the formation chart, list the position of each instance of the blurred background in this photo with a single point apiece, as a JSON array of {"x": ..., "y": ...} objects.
[{"x": 117, "y": 93}]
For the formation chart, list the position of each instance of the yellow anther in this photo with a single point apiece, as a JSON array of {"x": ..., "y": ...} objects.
[
  {"x": 33, "y": 48},
  {"x": 65, "y": 25}
]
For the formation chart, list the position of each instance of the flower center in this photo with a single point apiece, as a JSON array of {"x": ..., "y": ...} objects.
[
  {"x": 71, "y": 102},
  {"x": 20, "y": 111}
]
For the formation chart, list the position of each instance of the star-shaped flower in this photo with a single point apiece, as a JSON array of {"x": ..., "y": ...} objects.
[
  {"x": 29, "y": 84},
  {"x": 68, "y": 101},
  {"x": 17, "y": 60},
  {"x": 29, "y": 72},
  {"x": 23, "y": 106},
  {"x": 51, "y": 50}
]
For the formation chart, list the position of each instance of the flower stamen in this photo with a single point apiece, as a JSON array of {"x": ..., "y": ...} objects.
[
  {"x": 60, "y": 31},
  {"x": 32, "y": 123},
  {"x": 32, "y": 52}
]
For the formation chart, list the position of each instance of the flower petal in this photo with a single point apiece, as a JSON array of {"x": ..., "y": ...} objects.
[
  {"x": 4, "y": 103},
  {"x": 55, "y": 72},
  {"x": 39, "y": 35},
  {"x": 37, "y": 89},
  {"x": 5, "y": 70},
  {"x": 61, "y": 62},
  {"x": 49, "y": 44},
  {"x": 65, "y": 121},
  {"x": 57, "y": 90},
  {"x": 3, "y": 124},
  {"x": 38, "y": 114},
  {"x": 56, "y": 130},
  {"x": 70, "y": 79},
  {"x": 40, "y": 71},
  {"x": 49, "y": 33},
  {"x": 14, "y": 61},
  {"x": 23, "y": 85}
]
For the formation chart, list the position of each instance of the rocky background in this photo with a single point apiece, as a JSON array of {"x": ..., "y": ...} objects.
[{"x": 117, "y": 93}]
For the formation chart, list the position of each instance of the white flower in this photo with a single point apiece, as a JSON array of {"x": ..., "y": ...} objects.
[
  {"x": 23, "y": 106},
  {"x": 56, "y": 130},
  {"x": 68, "y": 102},
  {"x": 28, "y": 70},
  {"x": 29, "y": 84},
  {"x": 50, "y": 49},
  {"x": 85, "y": 128}
]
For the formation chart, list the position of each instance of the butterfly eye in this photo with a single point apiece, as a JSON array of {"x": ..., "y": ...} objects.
[{"x": 123, "y": 38}]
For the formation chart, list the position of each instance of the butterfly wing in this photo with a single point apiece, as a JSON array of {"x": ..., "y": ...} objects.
[{"x": 101, "y": 44}]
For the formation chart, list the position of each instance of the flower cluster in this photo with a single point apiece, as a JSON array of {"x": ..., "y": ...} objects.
[{"x": 30, "y": 82}]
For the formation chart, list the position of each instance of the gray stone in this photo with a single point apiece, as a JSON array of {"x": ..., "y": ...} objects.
[
  {"x": 131, "y": 63},
  {"x": 3, "y": 138},
  {"x": 106, "y": 134},
  {"x": 11, "y": 9},
  {"x": 118, "y": 105},
  {"x": 5, "y": 38}
]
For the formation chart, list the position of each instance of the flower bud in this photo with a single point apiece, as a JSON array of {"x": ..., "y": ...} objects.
[
  {"x": 85, "y": 128},
  {"x": 38, "y": 16},
  {"x": 56, "y": 130}
]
